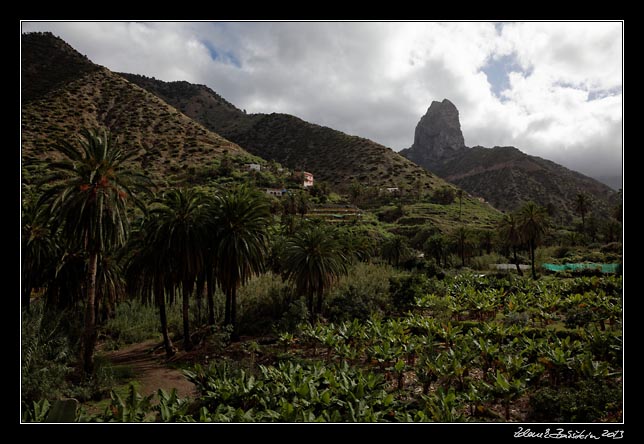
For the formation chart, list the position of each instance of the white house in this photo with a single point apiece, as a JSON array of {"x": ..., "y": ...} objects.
[
  {"x": 253, "y": 167},
  {"x": 308, "y": 179},
  {"x": 277, "y": 192}
]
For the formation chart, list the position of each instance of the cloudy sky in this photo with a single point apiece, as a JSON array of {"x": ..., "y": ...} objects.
[{"x": 551, "y": 89}]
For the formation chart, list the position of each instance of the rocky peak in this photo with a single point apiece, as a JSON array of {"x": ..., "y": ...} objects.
[
  {"x": 438, "y": 135},
  {"x": 439, "y": 130}
]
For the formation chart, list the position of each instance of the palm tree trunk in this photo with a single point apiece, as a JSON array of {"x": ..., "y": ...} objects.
[
  {"x": 309, "y": 300},
  {"x": 534, "y": 271},
  {"x": 583, "y": 222},
  {"x": 167, "y": 342},
  {"x": 201, "y": 280},
  {"x": 210, "y": 289},
  {"x": 89, "y": 335},
  {"x": 516, "y": 261},
  {"x": 319, "y": 303},
  {"x": 187, "y": 342},
  {"x": 233, "y": 313},
  {"x": 227, "y": 308}
]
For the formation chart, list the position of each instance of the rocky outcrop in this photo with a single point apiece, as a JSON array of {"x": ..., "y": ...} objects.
[
  {"x": 438, "y": 136},
  {"x": 504, "y": 176}
]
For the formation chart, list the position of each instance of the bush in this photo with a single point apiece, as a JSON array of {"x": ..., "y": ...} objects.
[
  {"x": 405, "y": 289},
  {"x": 47, "y": 353},
  {"x": 132, "y": 322},
  {"x": 363, "y": 291},
  {"x": 50, "y": 345},
  {"x": 443, "y": 196},
  {"x": 261, "y": 303},
  {"x": 587, "y": 401},
  {"x": 613, "y": 247},
  {"x": 390, "y": 215},
  {"x": 296, "y": 315},
  {"x": 561, "y": 252},
  {"x": 483, "y": 262}
]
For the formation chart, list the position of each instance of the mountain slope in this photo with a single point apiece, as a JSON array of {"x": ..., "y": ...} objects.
[
  {"x": 93, "y": 96},
  {"x": 504, "y": 176},
  {"x": 331, "y": 155},
  {"x": 47, "y": 63}
]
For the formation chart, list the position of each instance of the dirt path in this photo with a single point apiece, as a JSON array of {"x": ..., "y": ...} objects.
[{"x": 151, "y": 371}]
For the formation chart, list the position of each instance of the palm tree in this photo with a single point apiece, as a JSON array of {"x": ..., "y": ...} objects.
[
  {"x": 88, "y": 201},
  {"x": 461, "y": 237},
  {"x": 611, "y": 230},
  {"x": 485, "y": 240},
  {"x": 110, "y": 286},
  {"x": 181, "y": 232},
  {"x": 533, "y": 224},
  {"x": 396, "y": 250},
  {"x": 436, "y": 246},
  {"x": 510, "y": 234},
  {"x": 582, "y": 205},
  {"x": 313, "y": 260},
  {"x": 40, "y": 251},
  {"x": 302, "y": 203},
  {"x": 240, "y": 220},
  {"x": 355, "y": 191},
  {"x": 148, "y": 272}
]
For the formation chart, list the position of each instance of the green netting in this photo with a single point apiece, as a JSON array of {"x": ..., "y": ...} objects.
[{"x": 605, "y": 268}]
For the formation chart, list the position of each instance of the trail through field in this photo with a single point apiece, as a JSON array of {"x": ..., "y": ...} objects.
[{"x": 150, "y": 369}]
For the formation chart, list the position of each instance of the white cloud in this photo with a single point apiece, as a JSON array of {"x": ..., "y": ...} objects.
[{"x": 377, "y": 79}]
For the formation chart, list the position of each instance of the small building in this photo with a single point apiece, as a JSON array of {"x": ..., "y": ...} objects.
[
  {"x": 277, "y": 192},
  {"x": 305, "y": 178},
  {"x": 253, "y": 167},
  {"x": 308, "y": 179},
  {"x": 393, "y": 190}
]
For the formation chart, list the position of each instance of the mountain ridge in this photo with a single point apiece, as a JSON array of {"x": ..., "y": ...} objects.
[
  {"x": 178, "y": 146},
  {"x": 504, "y": 176},
  {"x": 91, "y": 96},
  {"x": 332, "y": 156}
]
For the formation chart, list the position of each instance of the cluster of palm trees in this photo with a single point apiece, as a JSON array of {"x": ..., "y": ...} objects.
[
  {"x": 525, "y": 227},
  {"x": 97, "y": 218},
  {"x": 190, "y": 241},
  {"x": 183, "y": 241}
]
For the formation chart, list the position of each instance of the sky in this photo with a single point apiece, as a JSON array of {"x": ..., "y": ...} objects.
[{"x": 551, "y": 89}]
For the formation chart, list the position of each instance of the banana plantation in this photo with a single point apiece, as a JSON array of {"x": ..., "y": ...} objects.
[{"x": 462, "y": 349}]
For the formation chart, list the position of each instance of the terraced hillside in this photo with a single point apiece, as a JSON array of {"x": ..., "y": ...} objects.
[{"x": 332, "y": 156}]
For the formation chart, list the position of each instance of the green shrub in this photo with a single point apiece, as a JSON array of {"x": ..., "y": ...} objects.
[
  {"x": 47, "y": 353},
  {"x": 587, "y": 401},
  {"x": 261, "y": 303},
  {"x": 296, "y": 315},
  {"x": 133, "y": 322},
  {"x": 406, "y": 289},
  {"x": 483, "y": 262},
  {"x": 362, "y": 292}
]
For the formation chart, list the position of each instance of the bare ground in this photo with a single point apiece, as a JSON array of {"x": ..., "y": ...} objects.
[{"x": 151, "y": 369}]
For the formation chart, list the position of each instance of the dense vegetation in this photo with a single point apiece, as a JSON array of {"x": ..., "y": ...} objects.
[
  {"x": 459, "y": 349},
  {"x": 368, "y": 322},
  {"x": 352, "y": 303}
]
